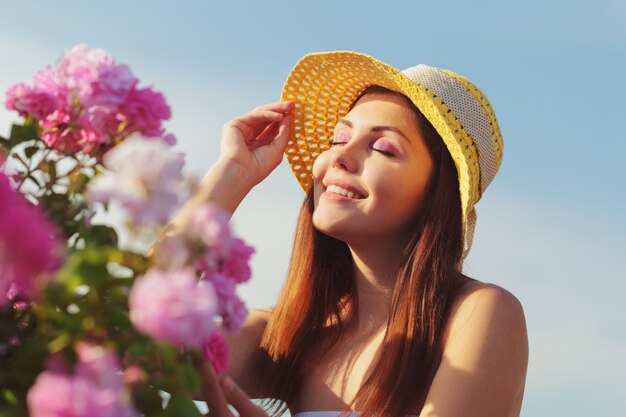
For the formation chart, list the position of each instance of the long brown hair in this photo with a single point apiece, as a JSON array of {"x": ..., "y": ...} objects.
[{"x": 309, "y": 316}]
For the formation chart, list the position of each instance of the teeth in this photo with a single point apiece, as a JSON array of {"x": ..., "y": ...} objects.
[{"x": 338, "y": 190}]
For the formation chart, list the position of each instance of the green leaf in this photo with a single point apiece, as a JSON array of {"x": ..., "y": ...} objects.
[
  {"x": 21, "y": 133},
  {"x": 9, "y": 397},
  {"x": 52, "y": 171},
  {"x": 31, "y": 150},
  {"x": 101, "y": 235},
  {"x": 148, "y": 400},
  {"x": 188, "y": 377},
  {"x": 181, "y": 406},
  {"x": 56, "y": 206}
]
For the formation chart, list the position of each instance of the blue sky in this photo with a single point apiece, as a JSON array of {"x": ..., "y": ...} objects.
[{"x": 551, "y": 226}]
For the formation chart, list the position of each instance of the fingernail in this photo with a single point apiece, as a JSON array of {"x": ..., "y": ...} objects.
[{"x": 228, "y": 383}]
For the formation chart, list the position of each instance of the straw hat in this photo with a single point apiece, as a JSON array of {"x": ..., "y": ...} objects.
[{"x": 324, "y": 85}]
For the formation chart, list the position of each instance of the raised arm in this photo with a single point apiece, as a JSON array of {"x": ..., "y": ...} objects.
[
  {"x": 485, "y": 356},
  {"x": 252, "y": 146}
]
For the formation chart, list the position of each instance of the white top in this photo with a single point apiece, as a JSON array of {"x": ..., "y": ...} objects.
[
  {"x": 327, "y": 414},
  {"x": 323, "y": 414}
]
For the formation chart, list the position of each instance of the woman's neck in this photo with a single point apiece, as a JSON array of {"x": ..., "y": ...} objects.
[{"x": 376, "y": 268}]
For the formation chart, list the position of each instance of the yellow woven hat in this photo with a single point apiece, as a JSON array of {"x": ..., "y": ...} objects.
[{"x": 325, "y": 84}]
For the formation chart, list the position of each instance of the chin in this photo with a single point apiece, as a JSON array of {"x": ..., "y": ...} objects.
[{"x": 330, "y": 228}]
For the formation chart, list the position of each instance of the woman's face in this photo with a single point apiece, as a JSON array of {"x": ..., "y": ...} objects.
[{"x": 372, "y": 182}]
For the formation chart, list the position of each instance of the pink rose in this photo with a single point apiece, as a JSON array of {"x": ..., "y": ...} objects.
[
  {"x": 80, "y": 67},
  {"x": 145, "y": 176},
  {"x": 209, "y": 230},
  {"x": 231, "y": 308},
  {"x": 95, "y": 389},
  {"x": 237, "y": 264},
  {"x": 216, "y": 351},
  {"x": 144, "y": 110},
  {"x": 30, "y": 102},
  {"x": 99, "y": 365},
  {"x": 113, "y": 86},
  {"x": 83, "y": 100},
  {"x": 50, "y": 81},
  {"x": 62, "y": 132},
  {"x": 29, "y": 248},
  {"x": 173, "y": 307},
  {"x": 52, "y": 395}
]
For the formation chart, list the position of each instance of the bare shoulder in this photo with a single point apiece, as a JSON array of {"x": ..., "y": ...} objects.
[
  {"x": 485, "y": 355},
  {"x": 479, "y": 306},
  {"x": 486, "y": 319},
  {"x": 256, "y": 322}
]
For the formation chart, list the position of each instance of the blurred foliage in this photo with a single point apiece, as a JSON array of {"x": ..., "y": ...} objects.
[{"x": 87, "y": 298}]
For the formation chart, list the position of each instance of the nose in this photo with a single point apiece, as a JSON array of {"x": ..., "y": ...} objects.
[{"x": 342, "y": 157}]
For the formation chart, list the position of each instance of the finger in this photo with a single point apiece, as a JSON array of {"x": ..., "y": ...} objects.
[
  {"x": 268, "y": 135},
  {"x": 284, "y": 133},
  {"x": 212, "y": 392},
  {"x": 283, "y": 107},
  {"x": 240, "y": 400},
  {"x": 252, "y": 124}
]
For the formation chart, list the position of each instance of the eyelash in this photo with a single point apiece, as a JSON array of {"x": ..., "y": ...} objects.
[{"x": 385, "y": 153}]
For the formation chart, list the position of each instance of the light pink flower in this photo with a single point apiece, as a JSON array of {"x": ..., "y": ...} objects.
[
  {"x": 97, "y": 364},
  {"x": 208, "y": 229},
  {"x": 95, "y": 389},
  {"x": 217, "y": 352},
  {"x": 145, "y": 176},
  {"x": 231, "y": 308},
  {"x": 113, "y": 86},
  {"x": 144, "y": 110},
  {"x": 52, "y": 82},
  {"x": 237, "y": 264},
  {"x": 81, "y": 68},
  {"x": 29, "y": 248},
  {"x": 173, "y": 307},
  {"x": 52, "y": 395}
]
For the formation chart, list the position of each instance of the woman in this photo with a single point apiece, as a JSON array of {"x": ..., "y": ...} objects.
[{"x": 375, "y": 315}]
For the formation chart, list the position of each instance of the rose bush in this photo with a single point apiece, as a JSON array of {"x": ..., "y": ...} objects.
[{"x": 88, "y": 327}]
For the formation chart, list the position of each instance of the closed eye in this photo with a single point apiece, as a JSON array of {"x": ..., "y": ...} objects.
[
  {"x": 386, "y": 153},
  {"x": 385, "y": 147}
]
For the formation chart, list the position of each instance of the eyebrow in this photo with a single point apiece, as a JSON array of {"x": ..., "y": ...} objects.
[{"x": 379, "y": 129}]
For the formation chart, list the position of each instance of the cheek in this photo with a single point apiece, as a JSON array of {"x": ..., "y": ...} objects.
[
  {"x": 400, "y": 192},
  {"x": 318, "y": 171},
  {"x": 320, "y": 165}
]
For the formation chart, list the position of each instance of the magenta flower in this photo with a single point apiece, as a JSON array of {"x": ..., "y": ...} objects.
[
  {"x": 145, "y": 176},
  {"x": 237, "y": 264},
  {"x": 231, "y": 308},
  {"x": 216, "y": 351},
  {"x": 30, "y": 102},
  {"x": 143, "y": 112},
  {"x": 95, "y": 389},
  {"x": 208, "y": 229},
  {"x": 173, "y": 307},
  {"x": 60, "y": 131},
  {"x": 29, "y": 248}
]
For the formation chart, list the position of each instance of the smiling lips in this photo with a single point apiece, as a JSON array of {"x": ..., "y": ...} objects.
[{"x": 336, "y": 189}]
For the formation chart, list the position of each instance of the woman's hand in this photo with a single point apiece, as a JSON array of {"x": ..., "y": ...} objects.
[
  {"x": 218, "y": 392},
  {"x": 253, "y": 144}
]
